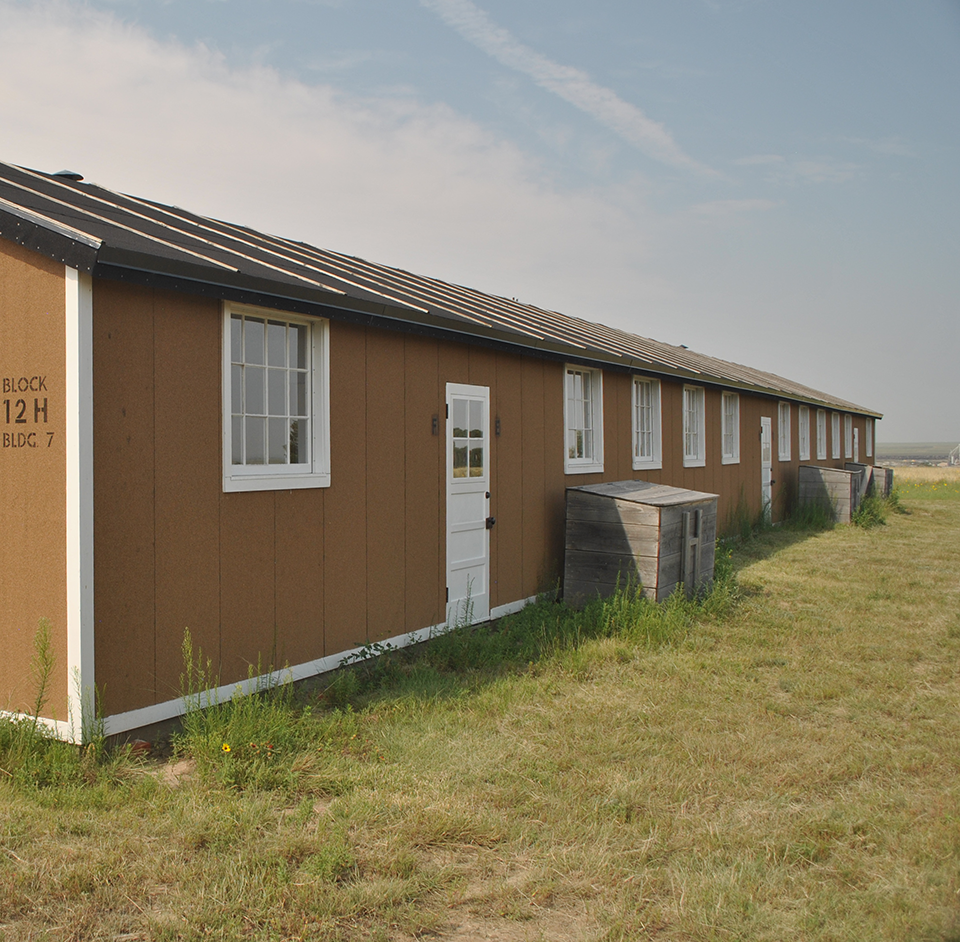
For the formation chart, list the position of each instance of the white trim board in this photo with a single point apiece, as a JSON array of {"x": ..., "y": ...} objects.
[
  {"x": 78, "y": 330},
  {"x": 157, "y": 713}
]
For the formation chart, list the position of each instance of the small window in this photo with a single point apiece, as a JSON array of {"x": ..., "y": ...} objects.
[
  {"x": 869, "y": 438},
  {"x": 583, "y": 418},
  {"x": 276, "y": 431},
  {"x": 835, "y": 435},
  {"x": 646, "y": 423},
  {"x": 730, "y": 430},
  {"x": 694, "y": 455},
  {"x": 803, "y": 433},
  {"x": 848, "y": 436},
  {"x": 821, "y": 435},
  {"x": 783, "y": 431}
]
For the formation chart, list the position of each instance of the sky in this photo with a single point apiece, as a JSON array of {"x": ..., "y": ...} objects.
[{"x": 773, "y": 183}]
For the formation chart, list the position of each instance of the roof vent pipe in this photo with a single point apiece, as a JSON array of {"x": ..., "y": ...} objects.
[{"x": 69, "y": 175}]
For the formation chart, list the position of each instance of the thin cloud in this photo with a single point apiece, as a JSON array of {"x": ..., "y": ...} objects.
[{"x": 572, "y": 85}]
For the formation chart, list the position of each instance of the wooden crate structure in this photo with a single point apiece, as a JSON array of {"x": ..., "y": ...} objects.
[
  {"x": 876, "y": 480},
  {"x": 835, "y": 490},
  {"x": 637, "y": 533},
  {"x": 882, "y": 481}
]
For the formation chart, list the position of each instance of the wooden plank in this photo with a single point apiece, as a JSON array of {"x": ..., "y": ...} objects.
[
  {"x": 582, "y": 565},
  {"x": 645, "y": 492},
  {"x": 591, "y": 507},
  {"x": 627, "y": 539}
]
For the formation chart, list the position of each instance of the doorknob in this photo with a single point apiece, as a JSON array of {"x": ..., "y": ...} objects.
[{"x": 490, "y": 521}]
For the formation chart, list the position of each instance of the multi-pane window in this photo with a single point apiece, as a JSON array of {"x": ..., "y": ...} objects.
[
  {"x": 803, "y": 433},
  {"x": 272, "y": 402},
  {"x": 694, "y": 454},
  {"x": 583, "y": 419},
  {"x": 869, "y": 441},
  {"x": 835, "y": 435},
  {"x": 646, "y": 423},
  {"x": 783, "y": 431},
  {"x": 468, "y": 438},
  {"x": 848, "y": 436},
  {"x": 730, "y": 430},
  {"x": 821, "y": 434}
]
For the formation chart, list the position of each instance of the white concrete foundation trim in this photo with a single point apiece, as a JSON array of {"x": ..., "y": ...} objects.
[{"x": 134, "y": 719}]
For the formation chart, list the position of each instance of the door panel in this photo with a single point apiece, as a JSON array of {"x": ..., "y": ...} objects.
[
  {"x": 766, "y": 466},
  {"x": 468, "y": 503}
]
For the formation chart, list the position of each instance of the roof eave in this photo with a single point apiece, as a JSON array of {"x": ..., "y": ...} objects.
[{"x": 52, "y": 242}]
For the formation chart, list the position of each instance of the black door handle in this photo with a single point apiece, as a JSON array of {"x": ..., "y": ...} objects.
[{"x": 490, "y": 521}]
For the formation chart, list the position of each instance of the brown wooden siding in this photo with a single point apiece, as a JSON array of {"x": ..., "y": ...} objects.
[
  {"x": 32, "y": 479},
  {"x": 284, "y": 577}
]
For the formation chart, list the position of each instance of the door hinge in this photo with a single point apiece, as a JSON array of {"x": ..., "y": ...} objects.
[
  {"x": 447, "y": 416},
  {"x": 448, "y": 593}
]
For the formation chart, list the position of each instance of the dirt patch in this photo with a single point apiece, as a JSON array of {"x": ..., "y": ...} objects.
[{"x": 176, "y": 772}]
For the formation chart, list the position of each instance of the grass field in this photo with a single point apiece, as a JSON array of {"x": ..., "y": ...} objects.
[
  {"x": 779, "y": 763},
  {"x": 916, "y": 451}
]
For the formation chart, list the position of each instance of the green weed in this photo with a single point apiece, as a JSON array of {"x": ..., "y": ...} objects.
[{"x": 871, "y": 512}]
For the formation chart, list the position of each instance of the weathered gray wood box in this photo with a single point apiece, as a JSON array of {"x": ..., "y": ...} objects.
[
  {"x": 882, "y": 481},
  {"x": 876, "y": 480},
  {"x": 637, "y": 533},
  {"x": 836, "y": 490}
]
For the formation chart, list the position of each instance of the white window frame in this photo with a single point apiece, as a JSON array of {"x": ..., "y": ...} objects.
[
  {"x": 835, "y": 435},
  {"x": 821, "y": 435},
  {"x": 848, "y": 436},
  {"x": 783, "y": 431},
  {"x": 803, "y": 433},
  {"x": 868, "y": 443},
  {"x": 646, "y": 424},
  {"x": 694, "y": 427},
  {"x": 315, "y": 472},
  {"x": 592, "y": 459},
  {"x": 730, "y": 428}
]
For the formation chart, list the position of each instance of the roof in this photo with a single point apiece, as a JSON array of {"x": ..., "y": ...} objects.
[{"x": 113, "y": 235}]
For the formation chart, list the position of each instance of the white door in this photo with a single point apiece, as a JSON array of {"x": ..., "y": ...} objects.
[
  {"x": 856, "y": 445},
  {"x": 766, "y": 465},
  {"x": 468, "y": 503}
]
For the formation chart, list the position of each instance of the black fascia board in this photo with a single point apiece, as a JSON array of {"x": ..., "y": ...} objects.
[{"x": 53, "y": 245}]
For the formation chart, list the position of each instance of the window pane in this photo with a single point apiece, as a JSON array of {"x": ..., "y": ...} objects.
[
  {"x": 236, "y": 388},
  {"x": 278, "y": 441},
  {"x": 276, "y": 344},
  {"x": 298, "y": 393},
  {"x": 297, "y": 336},
  {"x": 236, "y": 338},
  {"x": 298, "y": 441},
  {"x": 254, "y": 402},
  {"x": 476, "y": 462},
  {"x": 460, "y": 418},
  {"x": 476, "y": 419},
  {"x": 236, "y": 439},
  {"x": 277, "y": 390},
  {"x": 255, "y": 440},
  {"x": 253, "y": 340},
  {"x": 460, "y": 458}
]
